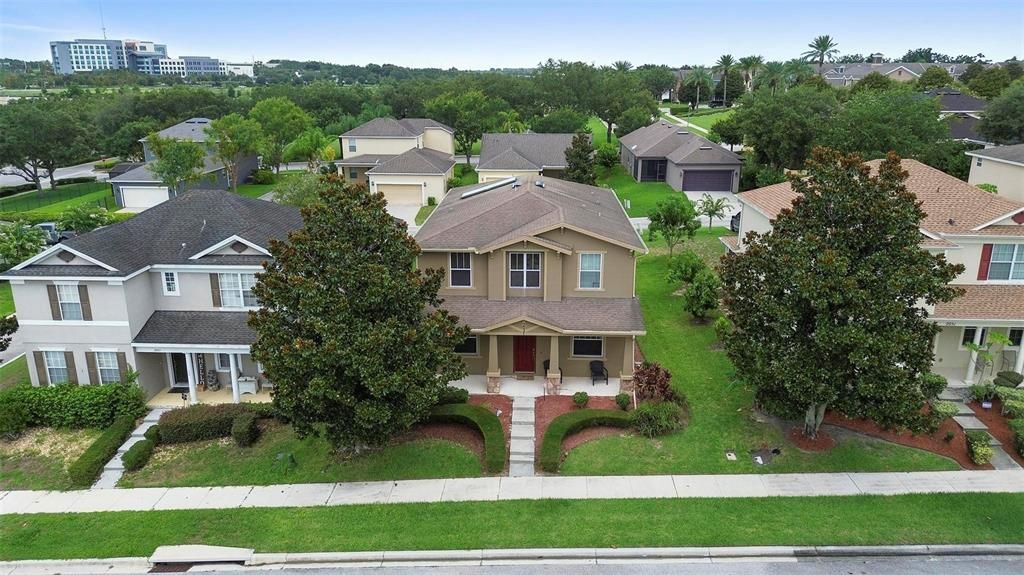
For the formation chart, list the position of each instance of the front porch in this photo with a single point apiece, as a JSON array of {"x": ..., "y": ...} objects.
[
  {"x": 188, "y": 377},
  {"x": 512, "y": 387},
  {"x": 959, "y": 359}
]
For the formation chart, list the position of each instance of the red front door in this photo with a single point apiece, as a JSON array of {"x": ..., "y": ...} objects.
[{"x": 525, "y": 352}]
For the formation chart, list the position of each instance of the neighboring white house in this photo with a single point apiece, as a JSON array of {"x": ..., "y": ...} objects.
[{"x": 1003, "y": 167}]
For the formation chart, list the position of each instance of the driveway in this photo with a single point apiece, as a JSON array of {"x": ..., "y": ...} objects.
[{"x": 406, "y": 212}]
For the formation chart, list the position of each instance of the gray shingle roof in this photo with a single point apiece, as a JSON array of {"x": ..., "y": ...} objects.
[
  {"x": 192, "y": 129},
  {"x": 392, "y": 128},
  {"x": 964, "y": 127},
  {"x": 858, "y": 70},
  {"x": 197, "y": 327},
  {"x": 415, "y": 161},
  {"x": 1009, "y": 153},
  {"x": 506, "y": 213},
  {"x": 523, "y": 151},
  {"x": 56, "y": 270},
  {"x": 173, "y": 231},
  {"x": 679, "y": 145},
  {"x": 144, "y": 173},
  {"x": 364, "y": 160},
  {"x": 574, "y": 314},
  {"x": 956, "y": 101}
]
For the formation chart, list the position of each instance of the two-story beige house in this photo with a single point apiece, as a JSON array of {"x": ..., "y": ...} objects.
[
  {"x": 408, "y": 160},
  {"x": 543, "y": 272},
  {"x": 166, "y": 293},
  {"x": 982, "y": 231},
  {"x": 1001, "y": 166}
]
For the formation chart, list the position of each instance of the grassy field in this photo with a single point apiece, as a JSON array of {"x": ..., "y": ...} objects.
[
  {"x": 14, "y": 372},
  {"x": 222, "y": 463},
  {"x": 257, "y": 190},
  {"x": 466, "y": 174},
  {"x": 6, "y": 299},
  {"x": 40, "y": 457},
  {"x": 642, "y": 196},
  {"x": 63, "y": 198},
  {"x": 721, "y": 418},
  {"x": 597, "y": 127},
  {"x": 857, "y": 520},
  {"x": 708, "y": 120}
]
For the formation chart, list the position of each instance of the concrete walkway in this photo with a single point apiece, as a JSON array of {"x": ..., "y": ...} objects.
[
  {"x": 523, "y": 444},
  {"x": 510, "y": 488},
  {"x": 114, "y": 468},
  {"x": 968, "y": 421}
]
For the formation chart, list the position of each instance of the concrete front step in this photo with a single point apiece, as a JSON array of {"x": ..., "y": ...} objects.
[
  {"x": 524, "y": 417},
  {"x": 964, "y": 409},
  {"x": 953, "y": 394},
  {"x": 969, "y": 422},
  {"x": 520, "y": 470},
  {"x": 107, "y": 480}
]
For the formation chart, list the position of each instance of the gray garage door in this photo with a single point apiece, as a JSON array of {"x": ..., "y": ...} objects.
[{"x": 707, "y": 181}]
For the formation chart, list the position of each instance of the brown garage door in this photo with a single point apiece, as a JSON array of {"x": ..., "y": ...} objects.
[
  {"x": 707, "y": 181},
  {"x": 396, "y": 194}
]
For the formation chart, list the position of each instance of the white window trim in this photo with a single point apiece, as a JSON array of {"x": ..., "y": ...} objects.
[
  {"x": 220, "y": 286},
  {"x": 352, "y": 145},
  {"x": 163, "y": 284},
  {"x": 217, "y": 365},
  {"x": 580, "y": 270},
  {"x": 1008, "y": 330},
  {"x": 1014, "y": 264},
  {"x": 477, "y": 352},
  {"x": 116, "y": 368},
  {"x": 48, "y": 367},
  {"x": 450, "y": 269},
  {"x": 572, "y": 347},
  {"x": 539, "y": 270},
  {"x": 60, "y": 302},
  {"x": 963, "y": 331}
]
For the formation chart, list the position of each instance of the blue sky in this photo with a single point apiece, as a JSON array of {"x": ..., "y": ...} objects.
[{"x": 480, "y": 34}]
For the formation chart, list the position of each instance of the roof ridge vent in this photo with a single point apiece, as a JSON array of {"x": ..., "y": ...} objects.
[
  {"x": 491, "y": 186},
  {"x": 705, "y": 147},
  {"x": 682, "y": 132}
]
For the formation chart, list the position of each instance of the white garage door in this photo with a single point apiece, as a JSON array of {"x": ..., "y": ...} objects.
[
  {"x": 397, "y": 194},
  {"x": 142, "y": 197}
]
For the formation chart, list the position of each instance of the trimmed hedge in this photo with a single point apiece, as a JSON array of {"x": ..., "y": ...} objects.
[
  {"x": 76, "y": 406},
  {"x": 244, "y": 430},
  {"x": 485, "y": 422},
  {"x": 153, "y": 434},
  {"x": 944, "y": 409},
  {"x": 451, "y": 395},
  {"x": 572, "y": 422},
  {"x": 1009, "y": 377},
  {"x": 138, "y": 455},
  {"x": 13, "y": 420},
  {"x": 199, "y": 422},
  {"x": 1017, "y": 427},
  {"x": 42, "y": 214},
  {"x": 86, "y": 469}
]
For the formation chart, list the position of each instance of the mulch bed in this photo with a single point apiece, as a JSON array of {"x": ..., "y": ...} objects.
[
  {"x": 997, "y": 426},
  {"x": 935, "y": 443},
  {"x": 548, "y": 407},
  {"x": 496, "y": 403},
  {"x": 462, "y": 434},
  {"x": 823, "y": 442}
]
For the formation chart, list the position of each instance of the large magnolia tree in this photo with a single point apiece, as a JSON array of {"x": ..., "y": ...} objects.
[
  {"x": 349, "y": 330},
  {"x": 827, "y": 305}
]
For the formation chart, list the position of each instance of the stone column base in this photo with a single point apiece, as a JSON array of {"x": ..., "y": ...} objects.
[
  {"x": 552, "y": 385},
  {"x": 493, "y": 382},
  {"x": 626, "y": 384}
]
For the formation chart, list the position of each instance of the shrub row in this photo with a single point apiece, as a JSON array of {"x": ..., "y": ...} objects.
[
  {"x": 74, "y": 406},
  {"x": 1017, "y": 427},
  {"x": 943, "y": 410},
  {"x": 11, "y": 190},
  {"x": 244, "y": 430},
  {"x": 41, "y": 215},
  {"x": 978, "y": 447},
  {"x": 199, "y": 422},
  {"x": 84, "y": 471},
  {"x": 138, "y": 455},
  {"x": 451, "y": 394},
  {"x": 485, "y": 422},
  {"x": 572, "y": 422},
  {"x": 1008, "y": 379}
]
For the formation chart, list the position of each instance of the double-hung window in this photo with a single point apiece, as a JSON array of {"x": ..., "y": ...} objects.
[
  {"x": 170, "y": 283},
  {"x": 468, "y": 346},
  {"x": 1007, "y": 262},
  {"x": 106, "y": 367},
  {"x": 968, "y": 335},
  {"x": 460, "y": 269},
  {"x": 590, "y": 271},
  {"x": 236, "y": 290},
  {"x": 524, "y": 269},
  {"x": 56, "y": 367},
  {"x": 1016, "y": 335},
  {"x": 351, "y": 144},
  {"x": 353, "y": 174},
  {"x": 70, "y": 302},
  {"x": 588, "y": 346},
  {"x": 223, "y": 362}
]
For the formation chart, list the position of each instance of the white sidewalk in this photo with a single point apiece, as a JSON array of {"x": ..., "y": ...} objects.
[{"x": 509, "y": 488}]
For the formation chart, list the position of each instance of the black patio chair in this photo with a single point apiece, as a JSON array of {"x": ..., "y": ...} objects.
[
  {"x": 598, "y": 372},
  {"x": 547, "y": 367}
]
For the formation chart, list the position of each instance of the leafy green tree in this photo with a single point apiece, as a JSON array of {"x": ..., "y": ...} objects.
[
  {"x": 313, "y": 147},
  {"x": 1003, "y": 120},
  {"x": 299, "y": 190},
  {"x": 873, "y": 81},
  {"x": 579, "y": 160},
  {"x": 772, "y": 77},
  {"x": 684, "y": 267},
  {"x": 560, "y": 121},
  {"x": 607, "y": 155},
  {"x": 350, "y": 332},
  {"x": 990, "y": 82},
  {"x": 178, "y": 162},
  {"x": 951, "y": 157},
  {"x": 702, "y": 295},
  {"x": 872, "y": 124},
  {"x": 232, "y": 139},
  {"x": 713, "y": 208},
  {"x": 632, "y": 119},
  {"x": 564, "y": 84},
  {"x": 622, "y": 99},
  {"x": 797, "y": 71},
  {"x": 657, "y": 79},
  {"x": 469, "y": 113},
  {"x": 282, "y": 121},
  {"x": 821, "y": 48},
  {"x": 674, "y": 220},
  {"x": 39, "y": 135},
  {"x": 84, "y": 218},
  {"x": 782, "y": 127},
  {"x": 1014, "y": 70},
  {"x": 934, "y": 77},
  {"x": 971, "y": 72},
  {"x": 125, "y": 142},
  {"x": 736, "y": 88},
  {"x": 723, "y": 66},
  {"x": 699, "y": 78},
  {"x": 18, "y": 242},
  {"x": 728, "y": 130},
  {"x": 827, "y": 305}
]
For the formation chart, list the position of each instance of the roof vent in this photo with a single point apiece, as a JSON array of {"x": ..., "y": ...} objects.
[
  {"x": 489, "y": 187},
  {"x": 539, "y": 183},
  {"x": 633, "y": 147},
  {"x": 682, "y": 132},
  {"x": 705, "y": 147},
  {"x": 66, "y": 256}
]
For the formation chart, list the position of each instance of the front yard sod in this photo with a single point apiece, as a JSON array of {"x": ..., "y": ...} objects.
[
  {"x": 39, "y": 459},
  {"x": 269, "y": 461},
  {"x": 707, "y": 120},
  {"x": 60, "y": 199},
  {"x": 6, "y": 299},
  {"x": 855, "y": 520},
  {"x": 643, "y": 196},
  {"x": 720, "y": 408},
  {"x": 14, "y": 372},
  {"x": 257, "y": 190}
]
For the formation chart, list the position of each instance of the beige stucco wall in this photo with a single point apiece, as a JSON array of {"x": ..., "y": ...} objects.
[
  {"x": 617, "y": 264},
  {"x": 32, "y": 301},
  {"x": 377, "y": 146},
  {"x": 438, "y": 139},
  {"x": 479, "y": 273},
  {"x": 360, "y": 174},
  {"x": 950, "y": 355},
  {"x": 1009, "y": 179},
  {"x": 435, "y": 186},
  {"x": 79, "y": 350},
  {"x": 614, "y": 348}
]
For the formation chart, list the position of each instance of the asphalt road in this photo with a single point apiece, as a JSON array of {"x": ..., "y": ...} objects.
[
  {"x": 867, "y": 566},
  {"x": 67, "y": 172}
]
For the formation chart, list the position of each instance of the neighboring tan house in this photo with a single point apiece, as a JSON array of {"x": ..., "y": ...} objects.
[
  {"x": 522, "y": 155},
  {"x": 664, "y": 152},
  {"x": 165, "y": 293},
  {"x": 138, "y": 189},
  {"x": 962, "y": 111},
  {"x": 408, "y": 160},
  {"x": 1002, "y": 166},
  {"x": 848, "y": 74},
  {"x": 542, "y": 271},
  {"x": 982, "y": 231}
]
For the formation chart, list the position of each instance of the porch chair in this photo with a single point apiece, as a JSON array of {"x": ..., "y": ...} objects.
[
  {"x": 598, "y": 372},
  {"x": 547, "y": 367}
]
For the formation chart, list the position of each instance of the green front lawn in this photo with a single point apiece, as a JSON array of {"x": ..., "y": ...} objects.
[
  {"x": 40, "y": 457},
  {"x": 6, "y": 299},
  {"x": 14, "y": 372},
  {"x": 600, "y": 131},
  {"x": 258, "y": 190},
  {"x": 707, "y": 120},
  {"x": 856, "y": 520},
  {"x": 721, "y": 418},
  {"x": 466, "y": 174},
  {"x": 220, "y": 462},
  {"x": 642, "y": 196},
  {"x": 424, "y": 213},
  {"x": 60, "y": 199}
]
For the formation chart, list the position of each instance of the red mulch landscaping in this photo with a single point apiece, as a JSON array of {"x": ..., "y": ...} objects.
[
  {"x": 497, "y": 403},
  {"x": 823, "y": 442},
  {"x": 997, "y": 426},
  {"x": 548, "y": 407},
  {"x": 936, "y": 442},
  {"x": 466, "y": 436}
]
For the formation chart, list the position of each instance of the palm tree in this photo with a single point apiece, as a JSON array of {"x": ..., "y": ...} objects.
[
  {"x": 750, "y": 65},
  {"x": 821, "y": 48},
  {"x": 713, "y": 208},
  {"x": 772, "y": 76},
  {"x": 797, "y": 71},
  {"x": 510, "y": 122},
  {"x": 723, "y": 66},
  {"x": 699, "y": 76},
  {"x": 622, "y": 65}
]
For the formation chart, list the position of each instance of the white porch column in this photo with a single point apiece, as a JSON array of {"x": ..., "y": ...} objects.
[
  {"x": 235, "y": 395},
  {"x": 170, "y": 369},
  {"x": 1018, "y": 365},
  {"x": 973, "y": 362},
  {"x": 190, "y": 367}
]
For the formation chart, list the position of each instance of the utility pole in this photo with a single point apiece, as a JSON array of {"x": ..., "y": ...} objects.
[{"x": 103, "y": 24}]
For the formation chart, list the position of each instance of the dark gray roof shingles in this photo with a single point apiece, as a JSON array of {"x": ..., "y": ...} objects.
[
  {"x": 197, "y": 327},
  {"x": 576, "y": 314},
  {"x": 416, "y": 161},
  {"x": 677, "y": 144},
  {"x": 523, "y": 151},
  {"x": 1013, "y": 153},
  {"x": 392, "y": 128}
]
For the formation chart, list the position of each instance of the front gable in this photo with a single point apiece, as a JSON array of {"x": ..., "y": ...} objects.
[
  {"x": 232, "y": 246},
  {"x": 62, "y": 255}
]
